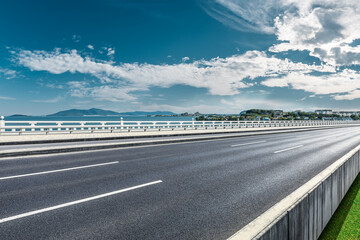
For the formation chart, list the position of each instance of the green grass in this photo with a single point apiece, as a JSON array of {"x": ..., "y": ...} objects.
[{"x": 345, "y": 223}]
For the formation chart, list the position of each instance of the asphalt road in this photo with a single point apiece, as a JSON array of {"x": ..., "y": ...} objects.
[
  {"x": 125, "y": 140},
  {"x": 195, "y": 190},
  {"x": 11, "y": 146}
]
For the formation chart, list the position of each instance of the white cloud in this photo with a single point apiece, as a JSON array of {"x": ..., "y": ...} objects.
[
  {"x": 254, "y": 15},
  {"x": 113, "y": 94},
  {"x": 342, "y": 82},
  {"x": 236, "y": 105},
  {"x": 110, "y": 52},
  {"x": 49, "y": 84},
  {"x": 54, "y": 86},
  {"x": 90, "y": 47},
  {"x": 221, "y": 76},
  {"x": 76, "y": 38},
  {"x": 77, "y": 84},
  {"x": 350, "y": 96},
  {"x": 52, "y": 100},
  {"x": 226, "y": 102},
  {"x": 8, "y": 73},
  {"x": 184, "y": 59},
  {"x": 7, "y": 98},
  {"x": 180, "y": 109},
  {"x": 107, "y": 93},
  {"x": 158, "y": 99},
  {"x": 325, "y": 28},
  {"x": 83, "y": 102}
]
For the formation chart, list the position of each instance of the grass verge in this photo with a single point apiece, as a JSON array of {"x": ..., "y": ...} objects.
[{"x": 345, "y": 223}]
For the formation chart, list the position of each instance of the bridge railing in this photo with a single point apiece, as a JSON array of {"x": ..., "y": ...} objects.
[{"x": 46, "y": 127}]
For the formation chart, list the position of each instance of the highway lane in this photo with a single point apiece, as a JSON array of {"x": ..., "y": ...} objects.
[
  {"x": 209, "y": 189},
  {"x": 12, "y": 146},
  {"x": 126, "y": 140}
]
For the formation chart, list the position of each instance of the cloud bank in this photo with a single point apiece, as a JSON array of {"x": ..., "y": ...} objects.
[
  {"x": 326, "y": 29},
  {"x": 220, "y": 76}
]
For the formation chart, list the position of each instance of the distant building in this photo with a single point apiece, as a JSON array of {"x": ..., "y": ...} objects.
[
  {"x": 278, "y": 113},
  {"x": 327, "y": 118},
  {"x": 347, "y": 113},
  {"x": 324, "y": 111}
]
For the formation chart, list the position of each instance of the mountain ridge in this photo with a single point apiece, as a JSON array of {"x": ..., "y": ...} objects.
[{"x": 101, "y": 112}]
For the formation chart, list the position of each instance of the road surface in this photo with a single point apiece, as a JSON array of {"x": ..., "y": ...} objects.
[{"x": 195, "y": 190}]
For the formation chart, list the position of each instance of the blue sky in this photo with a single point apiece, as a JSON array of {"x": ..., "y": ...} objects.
[{"x": 210, "y": 56}]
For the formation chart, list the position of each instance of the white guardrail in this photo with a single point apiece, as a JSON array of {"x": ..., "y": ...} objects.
[{"x": 46, "y": 127}]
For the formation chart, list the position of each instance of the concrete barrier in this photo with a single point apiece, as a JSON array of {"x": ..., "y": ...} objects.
[{"x": 305, "y": 212}]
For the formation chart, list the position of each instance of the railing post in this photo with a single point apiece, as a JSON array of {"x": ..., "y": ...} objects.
[
  {"x": 59, "y": 125},
  {"x": 193, "y": 123},
  {"x": 156, "y": 126},
  {"x": 121, "y": 123},
  {"x": 32, "y": 124},
  {"x": 2, "y": 124},
  {"x": 182, "y": 125}
]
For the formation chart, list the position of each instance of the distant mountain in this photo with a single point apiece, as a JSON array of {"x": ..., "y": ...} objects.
[
  {"x": 19, "y": 115},
  {"x": 81, "y": 113},
  {"x": 100, "y": 112}
]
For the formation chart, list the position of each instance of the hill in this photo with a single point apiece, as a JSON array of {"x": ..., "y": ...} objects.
[
  {"x": 18, "y": 115},
  {"x": 101, "y": 112},
  {"x": 82, "y": 112}
]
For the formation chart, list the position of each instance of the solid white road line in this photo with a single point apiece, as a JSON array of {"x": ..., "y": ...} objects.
[
  {"x": 76, "y": 202},
  {"x": 287, "y": 149},
  {"x": 58, "y": 170},
  {"x": 243, "y": 144}
]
